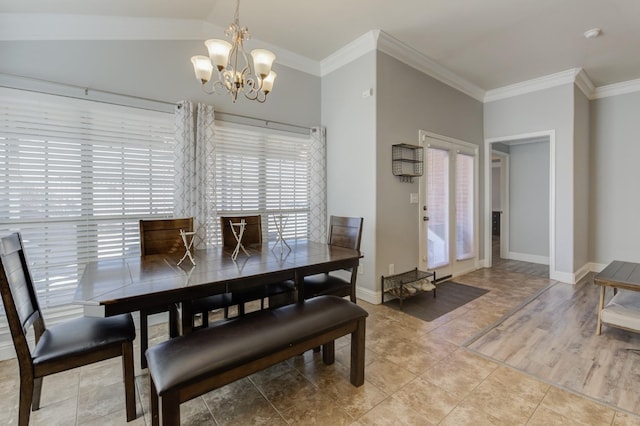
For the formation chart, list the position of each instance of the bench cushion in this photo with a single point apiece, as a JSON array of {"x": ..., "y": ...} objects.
[
  {"x": 623, "y": 310},
  {"x": 237, "y": 341}
]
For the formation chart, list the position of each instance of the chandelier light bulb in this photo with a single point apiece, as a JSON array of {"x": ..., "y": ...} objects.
[
  {"x": 262, "y": 61},
  {"x": 202, "y": 67},
  {"x": 218, "y": 52},
  {"x": 267, "y": 83}
]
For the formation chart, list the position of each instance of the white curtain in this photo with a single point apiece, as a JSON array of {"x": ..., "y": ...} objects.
[
  {"x": 195, "y": 173},
  {"x": 318, "y": 172}
]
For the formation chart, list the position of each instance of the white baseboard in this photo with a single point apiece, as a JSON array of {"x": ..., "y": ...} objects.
[
  {"x": 466, "y": 271},
  {"x": 525, "y": 257},
  {"x": 571, "y": 278},
  {"x": 582, "y": 272},
  {"x": 368, "y": 295},
  {"x": 563, "y": 277},
  {"x": 596, "y": 267}
]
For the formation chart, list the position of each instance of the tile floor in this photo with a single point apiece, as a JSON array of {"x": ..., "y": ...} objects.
[{"x": 417, "y": 373}]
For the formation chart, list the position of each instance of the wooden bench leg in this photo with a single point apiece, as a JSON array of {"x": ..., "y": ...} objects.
[
  {"x": 170, "y": 404},
  {"x": 329, "y": 352},
  {"x": 357, "y": 354}
]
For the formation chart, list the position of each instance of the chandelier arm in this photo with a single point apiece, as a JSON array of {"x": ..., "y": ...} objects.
[
  {"x": 256, "y": 95},
  {"x": 253, "y": 86}
]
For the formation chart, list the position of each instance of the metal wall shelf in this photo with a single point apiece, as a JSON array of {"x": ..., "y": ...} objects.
[{"x": 407, "y": 161}]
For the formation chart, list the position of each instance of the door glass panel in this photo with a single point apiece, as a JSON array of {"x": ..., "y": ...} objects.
[
  {"x": 438, "y": 207},
  {"x": 464, "y": 188}
]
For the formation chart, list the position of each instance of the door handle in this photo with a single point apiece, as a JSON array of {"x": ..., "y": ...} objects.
[{"x": 425, "y": 218}]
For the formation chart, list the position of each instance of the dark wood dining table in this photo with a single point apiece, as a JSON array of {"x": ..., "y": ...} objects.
[{"x": 114, "y": 286}]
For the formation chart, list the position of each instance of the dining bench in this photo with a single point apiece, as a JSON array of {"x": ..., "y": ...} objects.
[{"x": 186, "y": 367}]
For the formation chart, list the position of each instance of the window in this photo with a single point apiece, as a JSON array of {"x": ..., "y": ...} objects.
[
  {"x": 262, "y": 171},
  {"x": 465, "y": 235},
  {"x": 75, "y": 178}
]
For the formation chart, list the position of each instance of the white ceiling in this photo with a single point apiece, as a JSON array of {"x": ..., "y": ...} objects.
[{"x": 490, "y": 43}]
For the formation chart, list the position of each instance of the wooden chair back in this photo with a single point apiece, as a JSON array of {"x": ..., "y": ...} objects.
[
  {"x": 19, "y": 297},
  {"x": 252, "y": 232},
  {"x": 345, "y": 231},
  {"x": 162, "y": 236}
]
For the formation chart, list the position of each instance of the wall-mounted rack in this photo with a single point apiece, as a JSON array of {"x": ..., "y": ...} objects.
[{"x": 407, "y": 161}]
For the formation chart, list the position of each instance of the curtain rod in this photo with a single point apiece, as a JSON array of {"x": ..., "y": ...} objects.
[{"x": 31, "y": 84}]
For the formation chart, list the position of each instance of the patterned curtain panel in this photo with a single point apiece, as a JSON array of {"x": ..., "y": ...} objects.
[
  {"x": 318, "y": 172},
  {"x": 194, "y": 164}
]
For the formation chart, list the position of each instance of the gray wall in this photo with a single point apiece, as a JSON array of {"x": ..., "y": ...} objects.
[
  {"x": 581, "y": 182},
  {"x": 614, "y": 204},
  {"x": 159, "y": 70},
  {"x": 549, "y": 109},
  {"x": 408, "y": 101},
  {"x": 351, "y": 155},
  {"x": 529, "y": 199}
]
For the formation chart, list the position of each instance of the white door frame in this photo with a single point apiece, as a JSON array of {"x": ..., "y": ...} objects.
[
  {"x": 551, "y": 134},
  {"x": 504, "y": 202}
]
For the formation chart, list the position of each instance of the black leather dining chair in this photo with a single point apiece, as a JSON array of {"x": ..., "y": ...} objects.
[
  {"x": 343, "y": 232},
  {"x": 63, "y": 346}
]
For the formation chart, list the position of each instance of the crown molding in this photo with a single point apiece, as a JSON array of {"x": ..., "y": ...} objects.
[
  {"x": 350, "y": 52},
  {"x": 36, "y": 27},
  {"x": 631, "y": 86},
  {"x": 534, "y": 85},
  {"x": 415, "y": 59},
  {"x": 584, "y": 83},
  {"x": 383, "y": 42}
]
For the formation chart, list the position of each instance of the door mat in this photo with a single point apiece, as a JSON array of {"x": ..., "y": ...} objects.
[{"x": 449, "y": 296}]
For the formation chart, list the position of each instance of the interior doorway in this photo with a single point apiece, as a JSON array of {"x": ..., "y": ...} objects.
[{"x": 526, "y": 215}]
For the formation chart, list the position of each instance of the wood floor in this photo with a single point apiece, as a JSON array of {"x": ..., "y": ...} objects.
[
  {"x": 553, "y": 337},
  {"x": 535, "y": 269}
]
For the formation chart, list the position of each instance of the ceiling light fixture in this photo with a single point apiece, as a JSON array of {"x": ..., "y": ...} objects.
[
  {"x": 592, "y": 33},
  {"x": 235, "y": 73}
]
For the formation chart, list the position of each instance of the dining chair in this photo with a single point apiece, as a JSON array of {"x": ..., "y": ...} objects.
[
  {"x": 160, "y": 236},
  {"x": 343, "y": 232},
  {"x": 252, "y": 236},
  {"x": 63, "y": 346}
]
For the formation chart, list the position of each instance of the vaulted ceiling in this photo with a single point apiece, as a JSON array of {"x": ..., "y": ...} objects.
[{"x": 489, "y": 43}]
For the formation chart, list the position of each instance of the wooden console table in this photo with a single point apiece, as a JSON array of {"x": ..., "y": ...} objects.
[{"x": 618, "y": 275}]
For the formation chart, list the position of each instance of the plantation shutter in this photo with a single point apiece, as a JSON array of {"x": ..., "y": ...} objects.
[
  {"x": 75, "y": 178},
  {"x": 263, "y": 171}
]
